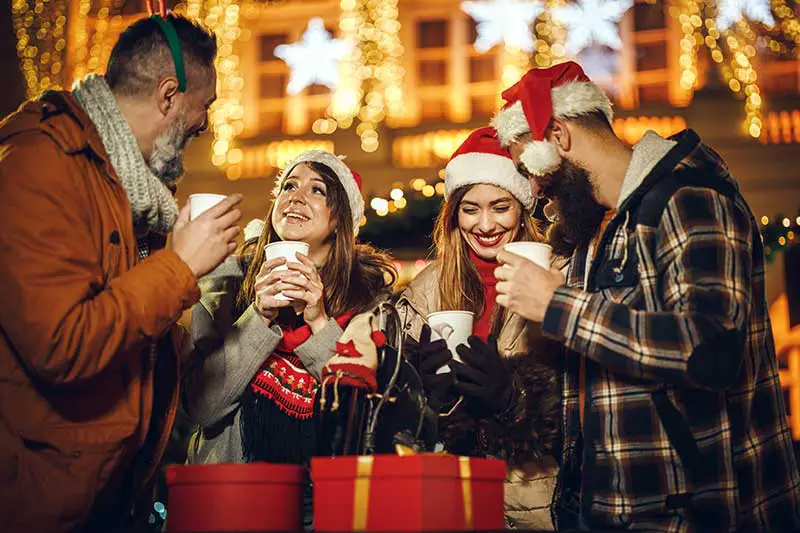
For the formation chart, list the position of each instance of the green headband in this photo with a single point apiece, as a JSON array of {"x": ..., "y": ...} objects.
[{"x": 175, "y": 48}]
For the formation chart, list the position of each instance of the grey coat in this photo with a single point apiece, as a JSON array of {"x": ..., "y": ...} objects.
[{"x": 227, "y": 354}]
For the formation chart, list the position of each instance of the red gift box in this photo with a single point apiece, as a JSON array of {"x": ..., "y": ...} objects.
[
  {"x": 235, "y": 497},
  {"x": 407, "y": 493}
]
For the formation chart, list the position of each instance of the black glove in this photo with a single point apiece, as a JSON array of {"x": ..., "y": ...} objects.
[
  {"x": 483, "y": 379},
  {"x": 427, "y": 357}
]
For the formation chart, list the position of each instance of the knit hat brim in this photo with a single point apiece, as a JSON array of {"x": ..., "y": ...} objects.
[{"x": 345, "y": 175}]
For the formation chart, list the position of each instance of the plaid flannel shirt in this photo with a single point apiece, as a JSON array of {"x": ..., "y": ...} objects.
[{"x": 680, "y": 356}]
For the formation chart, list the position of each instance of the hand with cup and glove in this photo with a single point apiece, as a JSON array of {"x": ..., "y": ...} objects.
[
  {"x": 483, "y": 378},
  {"x": 428, "y": 357}
]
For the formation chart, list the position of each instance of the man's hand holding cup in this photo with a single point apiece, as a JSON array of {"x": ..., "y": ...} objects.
[
  {"x": 205, "y": 241},
  {"x": 524, "y": 287}
]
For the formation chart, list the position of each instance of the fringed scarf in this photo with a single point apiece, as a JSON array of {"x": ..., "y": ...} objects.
[{"x": 277, "y": 407}]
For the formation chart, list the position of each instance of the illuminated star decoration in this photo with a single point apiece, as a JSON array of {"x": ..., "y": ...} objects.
[
  {"x": 592, "y": 21},
  {"x": 507, "y": 21},
  {"x": 731, "y": 11},
  {"x": 313, "y": 59}
]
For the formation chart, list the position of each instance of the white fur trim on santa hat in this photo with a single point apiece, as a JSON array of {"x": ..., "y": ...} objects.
[
  {"x": 540, "y": 157},
  {"x": 577, "y": 98},
  {"x": 573, "y": 99},
  {"x": 491, "y": 169},
  {"x": 510, "y": 123},
  {"x": 345, "y": 175}
]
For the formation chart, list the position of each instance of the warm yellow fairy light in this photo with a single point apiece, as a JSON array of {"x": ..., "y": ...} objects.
[
  {"x": 80, "y": 49},
  {"x": 550, "y": 38},
  {"x": 428, "y": 191},
  {"x": 738, "y": 70},
  {"x": 787, "y": 20},
  {"x": 690, "y": 22},
  {"x": 225, "y": 116},
  {"x": 39, "y": 26},
  {"x": 372, "y": 77}
]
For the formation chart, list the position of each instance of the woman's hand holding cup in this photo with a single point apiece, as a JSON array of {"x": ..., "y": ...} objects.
[
  {"x": 307, "y": 292},
  {"x": 269, "y": 284}
]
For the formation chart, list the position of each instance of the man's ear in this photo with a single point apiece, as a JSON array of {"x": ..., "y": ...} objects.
[
  {"x": 559, "y": 134},
  {"x": 167, "y": 93}
]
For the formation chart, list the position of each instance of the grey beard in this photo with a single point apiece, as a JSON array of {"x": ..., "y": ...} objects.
[{"x": 166, "y": 159}]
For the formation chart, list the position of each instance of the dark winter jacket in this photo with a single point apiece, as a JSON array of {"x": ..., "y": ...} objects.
[{"x": 685, "y": 424}]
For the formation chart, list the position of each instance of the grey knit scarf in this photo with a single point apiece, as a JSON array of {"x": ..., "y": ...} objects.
[{"x": 153, "y": 205}]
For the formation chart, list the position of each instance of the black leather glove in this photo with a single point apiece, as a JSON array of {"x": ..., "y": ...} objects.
[
  {"x": 483, "y": 379},
  {"x": 427, "y": 357}
]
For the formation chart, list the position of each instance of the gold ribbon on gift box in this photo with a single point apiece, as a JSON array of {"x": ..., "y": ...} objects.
[{"x": 364, "y": 465}]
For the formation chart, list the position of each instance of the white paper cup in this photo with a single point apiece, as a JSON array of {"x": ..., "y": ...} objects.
[
  {"x": 200, "y": 203},
  {"x": 538, "y": 252},
  {"x": 287, "y": 250},
  {"x": 454, "y": 327}
]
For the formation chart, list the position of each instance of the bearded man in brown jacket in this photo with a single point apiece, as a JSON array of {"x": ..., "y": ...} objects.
[{"x": 90, "y": 353}]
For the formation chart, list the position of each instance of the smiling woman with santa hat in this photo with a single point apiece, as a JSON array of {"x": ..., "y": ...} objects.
[{"x": 508, "y": 405}]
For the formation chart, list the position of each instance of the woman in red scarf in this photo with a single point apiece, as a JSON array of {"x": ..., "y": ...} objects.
[
  {"x": 259, "y": 358},
  {"x": 502, "y": 401}
]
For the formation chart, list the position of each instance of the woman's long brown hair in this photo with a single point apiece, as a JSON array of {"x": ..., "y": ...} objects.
[
  {"x": 354, "y": 276},
  {"x": 459, "y": 283}
]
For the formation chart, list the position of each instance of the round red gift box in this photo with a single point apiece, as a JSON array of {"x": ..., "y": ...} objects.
[{"x": 235, "y": 497}]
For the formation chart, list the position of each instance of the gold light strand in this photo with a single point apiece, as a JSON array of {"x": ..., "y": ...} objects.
[
  {"x": 94, "y": 61},
  {"x": 80, "y": 49},
  {"x": 691, "y": 24},
  {"x": 550, "y": 38},
  {"x": 371, "y": 86},
  {"x": 41, "y": 40},
  {"x": 745, "y": 77},
  {"x": 194, "y": 9},
  {"x": 222, "y": 16},
  {"x": 789, "y": 24}
]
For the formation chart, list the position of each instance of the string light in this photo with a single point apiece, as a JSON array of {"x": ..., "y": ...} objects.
[
  {"x": 40, "y": 30},
  {"x": 738, "y": 71},
  {"x": 691, "y": 22},
  {"x": 374, "y": 92},
  {"x": 744, "y": 79},
  {"x": 222, "y": 17},
  {"x": 80, "y": 49},
  {"x": 788, "y": 22}
]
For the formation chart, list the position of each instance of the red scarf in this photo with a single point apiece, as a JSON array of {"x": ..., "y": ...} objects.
[
  {"x": 284, "y": 379},
  {"x": 483, "y": 324}
]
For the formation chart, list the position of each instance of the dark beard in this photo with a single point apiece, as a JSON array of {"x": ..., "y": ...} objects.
[{"x": 579, "y": 214}]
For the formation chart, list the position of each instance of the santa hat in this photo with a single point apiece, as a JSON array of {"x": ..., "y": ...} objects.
[
  {"x": 481, "y": 159},
  {"x": 350, "y": 179},
  {"x": 563, "y": 91}
]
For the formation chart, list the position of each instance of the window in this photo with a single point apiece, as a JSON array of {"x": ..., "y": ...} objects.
[
  {"x": 432, "y": 34},
  {"x": 651, "y": 56},
  {"x": 267, "y": 45},
  {"x": 484, "y": 106},
  {"x": 271, "y": 86},
  {"x": 482, "y": 68},
  {"x": 649, "y": 16},
  {"x": 432, "y": 73},
  {"x": 653, "y": 93}
]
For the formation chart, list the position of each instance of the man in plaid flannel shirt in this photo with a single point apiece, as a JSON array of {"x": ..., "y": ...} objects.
[{"x": 673, "y": 415}]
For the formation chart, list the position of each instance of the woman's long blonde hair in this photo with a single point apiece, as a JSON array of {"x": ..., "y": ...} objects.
[{"x": 459, "y": 283}]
